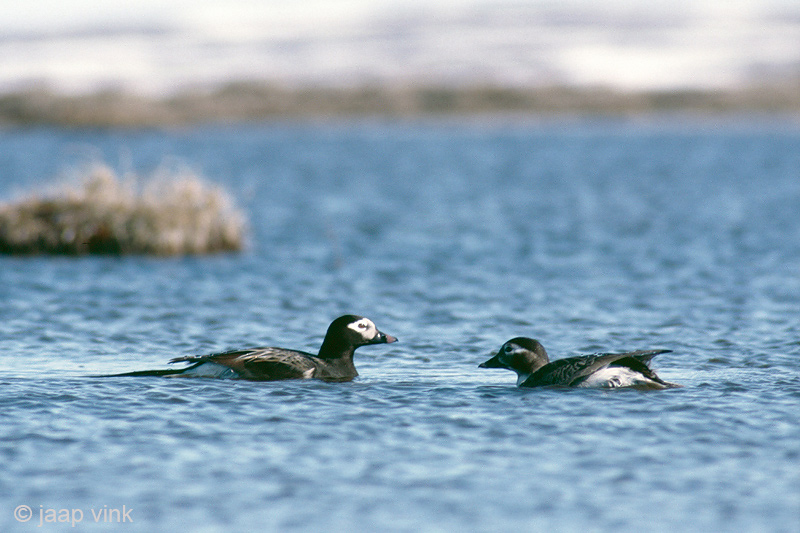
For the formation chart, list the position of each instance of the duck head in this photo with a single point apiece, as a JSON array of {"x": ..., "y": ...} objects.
[{"x": 522, "y": 355}]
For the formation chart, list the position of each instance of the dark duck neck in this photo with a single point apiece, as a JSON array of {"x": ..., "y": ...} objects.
[
  {"x": 336, "y": 348},
  {"x": 337, "y": 361}
]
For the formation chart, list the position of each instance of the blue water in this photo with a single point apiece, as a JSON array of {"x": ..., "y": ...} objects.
[{"x": 453, "y": 236}]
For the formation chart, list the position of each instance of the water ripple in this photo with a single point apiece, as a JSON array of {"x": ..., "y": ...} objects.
[{"x": 588, "y": 237}]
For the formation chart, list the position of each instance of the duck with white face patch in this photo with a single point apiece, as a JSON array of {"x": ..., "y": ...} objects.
[
  {"x": 528, "y": 358},
  {"x": 334, "y": 362}
]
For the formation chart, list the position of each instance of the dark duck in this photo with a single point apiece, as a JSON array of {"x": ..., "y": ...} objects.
[
  {"x": 528, "y": 358},
  {"x": 334, "y": 362}
]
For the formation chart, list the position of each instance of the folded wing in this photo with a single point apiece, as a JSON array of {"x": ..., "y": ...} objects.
[
  {"x": 259, "y": 363},
  {"x": 572, "y": 371}
]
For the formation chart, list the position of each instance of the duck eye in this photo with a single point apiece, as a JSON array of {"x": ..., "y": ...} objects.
[
  {"x": 361, "y": 325},
  {"x": 507, "y": 348}
]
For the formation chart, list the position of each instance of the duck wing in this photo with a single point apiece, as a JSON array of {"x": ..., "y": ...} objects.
[
  {"x": 639, "y": 361},
  {"x": 260, "y": 363},
  {"x": 646, "y": 355},
  {"x": 565, "y": 372},
  {"x": 571, "y": 371}
]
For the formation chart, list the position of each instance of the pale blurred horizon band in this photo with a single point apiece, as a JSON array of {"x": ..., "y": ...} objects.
[{"x": 185, "y": 61}]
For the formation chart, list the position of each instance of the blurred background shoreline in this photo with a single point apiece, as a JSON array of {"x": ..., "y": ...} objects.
[
  {"x": 94, "y": 63},
  {"x": 254, "y": 101}
]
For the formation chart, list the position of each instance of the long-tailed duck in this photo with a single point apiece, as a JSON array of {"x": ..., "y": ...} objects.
[
  {"x": 334, "y": 362},
  {"x": 528, "y": 358}
]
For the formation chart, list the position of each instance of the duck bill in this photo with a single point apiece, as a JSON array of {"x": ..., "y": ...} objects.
[
  {"x": 494, "y": 362},
  {"x": 383, "y": 338}
]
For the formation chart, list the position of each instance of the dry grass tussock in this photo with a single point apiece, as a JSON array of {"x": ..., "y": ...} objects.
[{"x": 171, "y": 213}]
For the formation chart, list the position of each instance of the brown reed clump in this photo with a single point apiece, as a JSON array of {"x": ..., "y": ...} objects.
[{"x": 174, "y": 214}]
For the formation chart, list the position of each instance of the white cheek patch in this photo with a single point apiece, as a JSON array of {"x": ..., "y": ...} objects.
[{"x": 365, "y": 328}]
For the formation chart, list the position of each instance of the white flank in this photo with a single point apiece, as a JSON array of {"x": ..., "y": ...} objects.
[{"x": 615, "y": 377}]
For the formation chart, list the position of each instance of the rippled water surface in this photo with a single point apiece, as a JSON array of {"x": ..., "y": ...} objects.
[{"x": 453, "y": 237}]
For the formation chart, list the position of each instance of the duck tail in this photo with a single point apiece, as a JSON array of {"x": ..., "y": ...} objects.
[
  {"x": 646, "y": 355},
  {"x": 639, "y": 362},
  {"x": 167, "y": 372}
]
